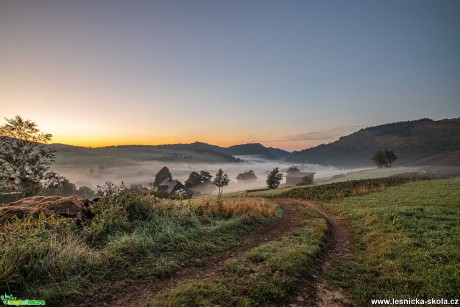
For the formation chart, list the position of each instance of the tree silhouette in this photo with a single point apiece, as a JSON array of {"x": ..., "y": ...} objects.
[
  {"x": 161, "y": 176},
  {"x": 24, "y": 156},
  {"x": 274, "y": 178},
  {"x": 220, "y": 180}
]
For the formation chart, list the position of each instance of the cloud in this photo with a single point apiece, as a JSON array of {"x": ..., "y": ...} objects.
[
  {"x": 323, "y": 135},
  {"x": 334, "y": 133}
]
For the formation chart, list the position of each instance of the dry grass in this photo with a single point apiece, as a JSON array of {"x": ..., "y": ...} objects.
[
  {"x": 238, "y": 206},
  {"x": 229, "y": 207}
]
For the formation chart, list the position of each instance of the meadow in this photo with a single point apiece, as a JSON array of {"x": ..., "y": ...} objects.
[
  {"x": 265, "y": 276},
  {"x": 408, "y": 240},
  {"x": 405, "y": 238},
  {"x": 406, "y": 232},
  {"x": 130, "y": 237}
]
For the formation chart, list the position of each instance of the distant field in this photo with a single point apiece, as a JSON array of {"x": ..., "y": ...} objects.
[
  {"x": 354, "y": 175},
  {"x": 370, "y": 173}
]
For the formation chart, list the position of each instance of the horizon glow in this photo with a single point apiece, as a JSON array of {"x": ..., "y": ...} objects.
[{"x": 288, "y": 75}]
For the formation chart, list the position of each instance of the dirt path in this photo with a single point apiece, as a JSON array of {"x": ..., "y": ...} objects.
[
  {"x": 137, "y": 292},
  {"x": 338, "y": 247}
]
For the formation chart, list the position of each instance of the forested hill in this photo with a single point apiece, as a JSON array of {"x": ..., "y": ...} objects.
[{"x": 419, "y": 142}]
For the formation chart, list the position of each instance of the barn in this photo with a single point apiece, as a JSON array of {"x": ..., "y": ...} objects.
[
  {"x": 172, "y": 186},
  {"x": 299, "y": 178},
  {"x": 246, "y": 176}
]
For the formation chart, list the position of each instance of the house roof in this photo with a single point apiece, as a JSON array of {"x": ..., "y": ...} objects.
[
  {"x": 169, "y": 185},
  {"x": 247, "y": 175},
  {"x": 299, "y": 174}
]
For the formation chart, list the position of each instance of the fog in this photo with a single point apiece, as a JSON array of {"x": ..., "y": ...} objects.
[{"x": 144, "y": 172}]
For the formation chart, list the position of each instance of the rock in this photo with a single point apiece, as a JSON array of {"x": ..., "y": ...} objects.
[{"x": 300, "y": 299}]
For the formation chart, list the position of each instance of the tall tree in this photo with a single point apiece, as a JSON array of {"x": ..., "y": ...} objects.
[
  {"x": 384, "y": 158},
  {"x": 390, "y": 157},
  {"x": 161, "y": 176},
  {"x": 379, "y": 158},
  {"x": 195, "y": 179},
  {"x": 274, "y": 178},
  {"x": 24, "y": 156},
  {"x": 220, "y": 180}
]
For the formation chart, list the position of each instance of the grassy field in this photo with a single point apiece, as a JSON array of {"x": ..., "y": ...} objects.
[
  {"x": 408, "y": 242},
  {"x": 265, "y": 276},
  {"x": 130, "y": 237},
  {"x": 357, "y": 175},
  {"x": 338, "y": 190},
  {"x": 371, "y": 174}
]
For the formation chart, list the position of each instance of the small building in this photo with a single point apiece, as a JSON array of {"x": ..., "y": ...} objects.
[
  {"x": 172, "y": 186},
  {"x": 246, "y": 176},
  {"x": 299, "y": 178}
]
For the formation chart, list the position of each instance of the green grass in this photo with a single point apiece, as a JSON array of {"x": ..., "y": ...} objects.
[
  {"x": 270, "y": 193},
  {"x": 338, "y": 190},
  {"x": 371, "y": 174},
  {"x": 265, "y": 276},
  {"x": 408, "y": 240},
  {"x": 130, "y": 237}
]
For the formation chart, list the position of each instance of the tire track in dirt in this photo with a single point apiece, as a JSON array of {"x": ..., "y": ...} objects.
[
  {"x": 338, "y": 247},
  {"x": 137, "y": 292}
]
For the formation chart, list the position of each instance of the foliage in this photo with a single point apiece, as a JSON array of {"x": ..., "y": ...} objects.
[
  {"x": 274, "y": 178},
  {"x": 24, "y": 156},
  {"x": 220, "y": 181},
  {"x": 161, "y": 176},
  {"x": 384, "y": 158},
  {"x": 130, "y": 236},
  {"x": 338, "y": 190},
  {"x": 59, "y": 185},
  {"x": 85, "y": 192},
  {"x": 293, "y": 169},
  {"x": 408, "y": 238},
  {"x": 110, "y": 189},
  {"x": 265, "y": 276},
  {"x": 195, "y": 179}
]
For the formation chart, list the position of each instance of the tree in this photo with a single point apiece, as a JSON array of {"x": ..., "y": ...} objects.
[
  {"x": 196, "y": 179},
  {"x": 220, "y": 180},
  {"x": 59, "y": 185},
  {"x": 379, "y": 158},
  {"x": 24, "y": 156},
  {"x": 390, "y": 157},
  {"x": 161, "y": 176},
  {"x": 293, "y": 169},
  {"x": 85, "y": 192},
  {"x": 274, "y": 178},
  {"x": 384, "y": 158}
]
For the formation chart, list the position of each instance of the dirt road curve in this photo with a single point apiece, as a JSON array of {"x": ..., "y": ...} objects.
[
  {"x": 338, "y": 247},
  {"x": 136, "y": 292}
]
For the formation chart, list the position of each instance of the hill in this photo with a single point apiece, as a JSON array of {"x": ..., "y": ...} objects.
[
  {"x": 253, "y": 149},
  {"x": 189, "y": 153},
  {"x": 280, "y": 153},
  {"x": 418, "y": 142},
  {"x": 116, "y": 155}
]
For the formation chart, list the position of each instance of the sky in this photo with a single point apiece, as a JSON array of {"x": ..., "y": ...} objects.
[{"x": 287, "y": 74}]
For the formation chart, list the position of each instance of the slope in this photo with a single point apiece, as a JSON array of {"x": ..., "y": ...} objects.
[{"x": 419, "y": 142}]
